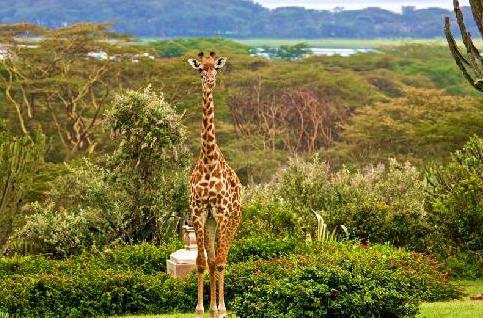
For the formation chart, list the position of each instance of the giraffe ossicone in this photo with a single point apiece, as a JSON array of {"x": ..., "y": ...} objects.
[{"x": 215, "y": 195}]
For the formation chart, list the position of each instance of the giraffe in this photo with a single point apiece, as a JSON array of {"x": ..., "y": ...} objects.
[{"x": 214, "y": 197}]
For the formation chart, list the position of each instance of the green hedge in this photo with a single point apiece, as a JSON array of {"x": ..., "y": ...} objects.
[{"x": 340, "y": 279}]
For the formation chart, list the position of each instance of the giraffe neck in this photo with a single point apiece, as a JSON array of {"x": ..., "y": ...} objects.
[{"x": 208, "y": 126}]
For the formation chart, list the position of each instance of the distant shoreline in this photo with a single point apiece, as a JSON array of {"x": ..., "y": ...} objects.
[
  {"x": 340, "y": 43},
  {"x": 325, "y": 43}
]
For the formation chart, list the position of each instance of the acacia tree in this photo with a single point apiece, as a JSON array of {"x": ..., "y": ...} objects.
[
  {"x": 300, "y": 119},
  {"x": 58, "y": 79},
  {"x": 471, "y": 63}
]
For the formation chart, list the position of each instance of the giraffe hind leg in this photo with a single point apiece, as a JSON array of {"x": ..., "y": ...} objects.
[
  {"x": 221, "y": 255},
  {"x": 233, "y": 223}
]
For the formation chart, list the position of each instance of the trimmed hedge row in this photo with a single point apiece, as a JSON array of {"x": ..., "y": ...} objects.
[
  {"x": 338, "y": 280},
  {"x": 320, "y": 280}
]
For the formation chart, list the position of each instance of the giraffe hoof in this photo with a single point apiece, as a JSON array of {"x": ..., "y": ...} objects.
[
  {"x": 214, "y": 313},
  {"x": 221, "y": 313},
  {"x": 200, "y": 313}
]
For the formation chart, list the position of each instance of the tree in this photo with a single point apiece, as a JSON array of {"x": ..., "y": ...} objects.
[
  {"x": 471, "y": 63},
  {"x": 299, "y": 119},
  {"x": 149, "y": 163},
  {"x": 19, "y": 160},
  {"x": 59, "y": 80},
  {"x": 422, "y": 125}
]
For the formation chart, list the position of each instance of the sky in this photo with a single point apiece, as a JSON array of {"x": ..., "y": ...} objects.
[{"x": 393, "y": 5}]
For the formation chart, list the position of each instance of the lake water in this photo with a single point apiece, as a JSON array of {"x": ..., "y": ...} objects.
[
  {"x": 336, "y": 51},
  {"x": 324, "y": 51}
]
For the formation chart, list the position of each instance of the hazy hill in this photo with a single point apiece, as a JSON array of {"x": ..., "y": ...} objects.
[{"x": 228, "y": 18}]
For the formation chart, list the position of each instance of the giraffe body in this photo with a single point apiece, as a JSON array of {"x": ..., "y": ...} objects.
[{"x": 214, "y": 197}]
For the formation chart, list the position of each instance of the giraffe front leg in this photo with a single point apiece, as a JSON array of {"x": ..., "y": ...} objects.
[
  {"x": 200, "y": 265},
  {"x": 220, "y": 265},
  {"x": 210, "y": 231}
]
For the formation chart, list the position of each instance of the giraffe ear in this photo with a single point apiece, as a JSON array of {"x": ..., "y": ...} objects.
[
  {"x": 195, "y": 64},
  {"x": 220, "y": 62}
]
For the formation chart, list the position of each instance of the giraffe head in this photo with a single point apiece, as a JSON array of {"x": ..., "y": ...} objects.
[{"x": 208, "y": 66}]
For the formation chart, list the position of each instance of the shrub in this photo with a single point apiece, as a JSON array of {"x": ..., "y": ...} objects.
[
  {"x": 82, "y": 209},
  {"x": 381, "y": 204},
  {"x": 340, "y": 279},
  {"x": 138, "y": 194},
  {"x": 455, "y": 201},
  {"x": 468, "y": 265},
  {"x": 267, "y": 216},
  {"x": 263, "y": 248},
  {"x": 149, "y": 163}
]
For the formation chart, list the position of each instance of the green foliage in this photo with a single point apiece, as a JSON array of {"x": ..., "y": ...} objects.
[
  {"x": 179, "y": 47},
  {"x": 150, "y": 162},
  {"x": 379, "y": 204},
  {"x": 264, "y": 248},
  {"x": 440, "y": 213},
  {"x": 309, "y": 287},
  {"x": 468, "y": 265},
  {"x": 138, "y": 194},
  {"x": 286, "y": 52},
  {"x": 82, "y": 210},
  {"x": 335, "y": 279},
  {"x": 455, "y": 201},
  {"x": 19, "y": 161},
  {"x": 421, "y": 125},
  {"x": 347, "y": 278},
  {"x": 265, "y": 214},
  {"x": 149, "y": 130}
]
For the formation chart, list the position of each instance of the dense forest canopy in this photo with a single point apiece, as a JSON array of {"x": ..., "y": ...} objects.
[{"x": 229, "y": 18}]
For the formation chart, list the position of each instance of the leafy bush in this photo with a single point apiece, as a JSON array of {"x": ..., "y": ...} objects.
[
  {"x": 455, "y": 201},
  {"x": 338, "y": 280},
  {"x": 149, "y": 162},
  {"x": 139, "y": 193},
  {"x": 265, "y": 216},
  {"x": 83, "y": 209},
  {"x": 341, "y": 279},
  {"x": 263, "y": 248},
  {"x": 468, "y": 265},
  {"x": 381, "y": 204}
]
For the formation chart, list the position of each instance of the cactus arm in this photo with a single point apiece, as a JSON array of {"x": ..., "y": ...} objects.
[
  {"x": 471, "y": 66},
  {"x": 477, "y": 10}
]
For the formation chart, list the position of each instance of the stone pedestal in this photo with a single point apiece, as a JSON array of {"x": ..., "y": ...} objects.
[{"x": 182, "y": 262}]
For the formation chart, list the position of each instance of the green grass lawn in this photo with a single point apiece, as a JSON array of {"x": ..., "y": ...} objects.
[
  {"x": 173, "y": 316},
  {"x": 464, "y": 308}
]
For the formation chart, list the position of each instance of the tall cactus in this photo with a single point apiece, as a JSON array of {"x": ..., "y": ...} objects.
[
  {"x": 471, "y": 63},
  {"x": 19, "y": 159}
]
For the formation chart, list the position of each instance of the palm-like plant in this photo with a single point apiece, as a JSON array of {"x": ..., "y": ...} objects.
[
  {"x": 471, "y": 62},
  {"x": 323, "y": 233}
]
